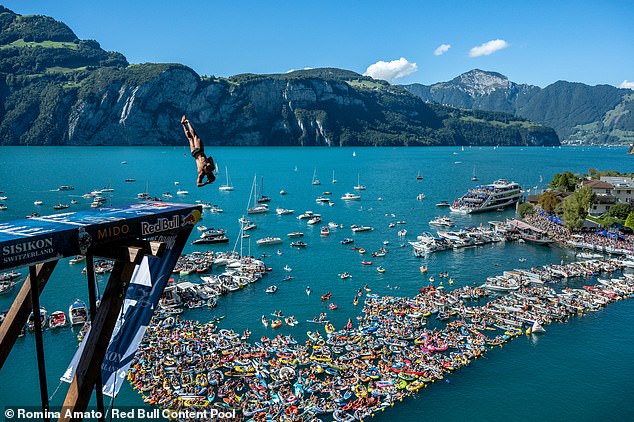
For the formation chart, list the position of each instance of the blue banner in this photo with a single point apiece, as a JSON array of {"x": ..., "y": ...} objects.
[{"x": 143, "y": 294}]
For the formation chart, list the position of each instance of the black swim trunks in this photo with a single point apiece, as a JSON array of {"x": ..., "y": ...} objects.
[{"x": 195, "y": 152}]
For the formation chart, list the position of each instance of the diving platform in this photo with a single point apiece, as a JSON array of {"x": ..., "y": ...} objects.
[{"x": 143, "y": 239}]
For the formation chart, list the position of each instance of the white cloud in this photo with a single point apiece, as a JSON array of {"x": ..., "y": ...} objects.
[
  {"x": 390, "y": 71},
  {"x": 295, "y": 70},
  {"x": 488, "y": 48},
  {"x": 627, "y": 84},
  {"x": 442, "y": 49}
]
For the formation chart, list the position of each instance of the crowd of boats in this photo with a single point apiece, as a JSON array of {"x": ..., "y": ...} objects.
[
  {"x": 238, "y": 272},
  {"x": 77, "y": 315},
  {"x": 396, "y": 347}
]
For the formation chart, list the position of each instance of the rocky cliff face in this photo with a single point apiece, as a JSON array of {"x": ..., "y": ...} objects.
[{"x": 260, "y": 112}]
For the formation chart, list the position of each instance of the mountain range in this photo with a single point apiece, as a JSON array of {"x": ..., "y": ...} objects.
[
  {"x": 581, "y": 114},
  {"x": 56, "y": 89}
]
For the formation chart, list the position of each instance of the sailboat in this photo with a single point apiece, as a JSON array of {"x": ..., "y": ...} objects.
[
  {"x": 419, "y": 176},
  {"x": 227, "y": 187},
  {"x": 146, "y": 194},
  {"x": 263, "y": 198},
  {"x": 315, "y": 181},
  {"x": 359, "y": 186},
  {"x": 333, "y": 177},
  {"x": 474, "y": 178},
  {"x": 257, "y": 208}
]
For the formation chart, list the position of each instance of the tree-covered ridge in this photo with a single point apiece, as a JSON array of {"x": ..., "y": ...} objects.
[{"x": 58, "y": 90}]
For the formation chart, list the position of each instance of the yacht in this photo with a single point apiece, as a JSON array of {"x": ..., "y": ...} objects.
[
  {"x": 283, "y": 211},
  {"x": 306, "y": 214},
  {"x": 77, "y": 313},
  {"x": 497, "y": 195},
  {"x": 269, "y": 241},
  {"x": 316, "y": 219},
  {"x": 351, "y": 197},
  {"x": 441, "y": 221}
]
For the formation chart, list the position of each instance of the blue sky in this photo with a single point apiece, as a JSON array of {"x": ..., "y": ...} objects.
[{"x": 536, "y": 42}]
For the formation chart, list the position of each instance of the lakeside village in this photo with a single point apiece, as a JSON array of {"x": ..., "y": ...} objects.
[{"x": 397, "y": 345}]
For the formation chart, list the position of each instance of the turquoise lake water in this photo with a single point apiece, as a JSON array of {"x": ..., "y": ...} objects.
[{"x": 581, "y": 370}]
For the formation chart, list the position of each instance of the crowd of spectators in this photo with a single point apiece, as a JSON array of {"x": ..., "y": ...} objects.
[{"x": 591, "y": 237}]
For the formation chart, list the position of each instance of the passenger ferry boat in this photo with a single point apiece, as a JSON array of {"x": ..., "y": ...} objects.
[{"x": 497, "y": 195}]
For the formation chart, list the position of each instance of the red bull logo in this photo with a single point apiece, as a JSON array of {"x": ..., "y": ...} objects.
[
  {"x": 191, "y": 218},
  {"x": 161, "y": 225}
]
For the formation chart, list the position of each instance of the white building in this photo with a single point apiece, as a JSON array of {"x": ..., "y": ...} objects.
[{"x": 609, "y": 190}]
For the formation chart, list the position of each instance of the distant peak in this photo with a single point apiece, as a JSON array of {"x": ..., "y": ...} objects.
[{"x": 482, "y": 82}]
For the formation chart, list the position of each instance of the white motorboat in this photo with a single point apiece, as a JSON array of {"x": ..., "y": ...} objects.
[
  {"x": 269, "y": 241},
  {"x": 356, "y": 228},
  {"x": 501, "y": 284},
  {"x": 316, "y": 219},
  {"x": 351, "y": 197},
  {"x": 43, "y": 319},
  {"x": 442, "y": 221},
  {"x": 182, "y": 192},
  {"x": 271, "y": 289},
  {"x": 295, "y": 234},
  {"x": 77, "y": 313},
  {"x": 77, "y": 259},
  {"x": 57, "y": 319},
  {"x": 306, "y": 214},
  {"x": 38, "y": 202},
  {"x": 283, "y": 211}
]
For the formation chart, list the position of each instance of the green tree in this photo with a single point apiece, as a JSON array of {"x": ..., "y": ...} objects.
[
  {"x": 548, "y": 201},
  {"x": 585, "y": 198},
  {"x": 609, "y": 220},
  {"x": 629, "y": 221},
  {"x": 572, "y": 212},
  {"x": 620, "y": 211},
  {"x": 564, "y": 182},
  {"x": 525, "y": 208}
]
